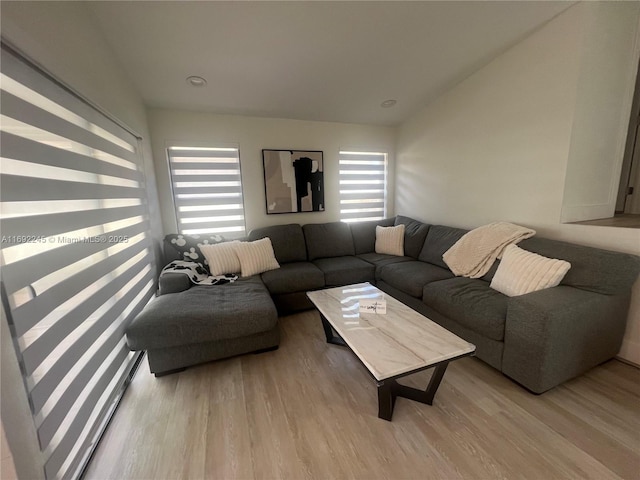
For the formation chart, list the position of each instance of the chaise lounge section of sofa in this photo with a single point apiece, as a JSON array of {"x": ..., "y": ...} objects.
[
  {"x": 205, "y": 323},
  {"x": 539, "y": 339}
]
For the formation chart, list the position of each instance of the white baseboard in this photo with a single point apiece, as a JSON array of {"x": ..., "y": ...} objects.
[
  {"x": 630, "y": 352},
  {"x": 581, "y": 213}
]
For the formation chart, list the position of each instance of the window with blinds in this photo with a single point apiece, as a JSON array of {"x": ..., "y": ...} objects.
[
  {"x": 207, "y": 190},
  {"x": 363, "y": 186},
  {"x": 76, "y": 256}
]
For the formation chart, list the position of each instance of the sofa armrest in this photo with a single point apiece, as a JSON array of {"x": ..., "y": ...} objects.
[
  {"x": 555, "y": 334},
  {"x": 173, "y": 283}
]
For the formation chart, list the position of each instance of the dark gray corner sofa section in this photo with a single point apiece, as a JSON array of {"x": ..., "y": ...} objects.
[
  {"x": 204, "y": 323},
  {"x": 540, "y": 339}
]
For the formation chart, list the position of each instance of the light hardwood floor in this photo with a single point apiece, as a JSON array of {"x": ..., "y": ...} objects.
[
  {"x": 622, "y": 220},
  {"x": 309, "y": 411}
]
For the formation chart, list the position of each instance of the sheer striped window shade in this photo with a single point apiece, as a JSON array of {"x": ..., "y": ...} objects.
[
  {"x": 207, "y": 190},
  {"x": 363, "y": 186},
  {"x": 76, "y": 256}
]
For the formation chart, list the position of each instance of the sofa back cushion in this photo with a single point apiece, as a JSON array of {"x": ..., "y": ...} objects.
[
  {"x": 169, "y": 253},
  {"x": 364, "y": 234},
  {"x": 178, "y": 246},
  {"x": 415, "y": 233},
  {"x": 326, "y": 240},
  {"x": 593, "y": 269},
  {"x": 439, "y": 239},
  {"x": 287, "y": 240}
]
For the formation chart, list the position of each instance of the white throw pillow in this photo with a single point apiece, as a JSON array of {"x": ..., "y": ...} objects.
[
  {"x": 390, "y": 240},
  {"x": 221, "y": 257},
  {"x": 256, "y": 257},
  {"x": 523, "y": 272}
]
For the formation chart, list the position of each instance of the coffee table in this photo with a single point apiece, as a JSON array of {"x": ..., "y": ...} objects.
[{"x": 392, "y": 345}]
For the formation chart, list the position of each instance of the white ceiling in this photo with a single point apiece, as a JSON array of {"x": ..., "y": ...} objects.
[{"x": 327, "y": 61}]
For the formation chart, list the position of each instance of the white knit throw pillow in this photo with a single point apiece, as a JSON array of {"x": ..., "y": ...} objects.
[
  {"x": 221, "y": 257},
  {"x": 523, "y": 272},
  {"x": 256, "y": 257},
  {"x": 390, "y": 240}
]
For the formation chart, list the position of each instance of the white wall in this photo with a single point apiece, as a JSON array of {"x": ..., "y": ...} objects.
[
  {"x": 63, "y": 38},
  {"x": 497, "y": 146},
  {"x": 608, "y": 64},
  {"x": 252, "y": 134}
]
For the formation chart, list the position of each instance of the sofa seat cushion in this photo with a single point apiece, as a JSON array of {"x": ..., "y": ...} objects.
[
  {"x": 293, "y": 277},
  {"x": 470, "y": 302},
  {"x": 411, "y": 276},
  {"x": 345, "y": 270},
  {"x": 204, "y": 314},
  {"x": 381, "y": 259}
]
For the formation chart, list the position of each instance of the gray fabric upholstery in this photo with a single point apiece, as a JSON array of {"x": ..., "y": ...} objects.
[
  {"x": 288, "y": 303},
  {"x": 364, "y": 234},
  {"x": 287, "y": 240},
  {"x": 203, "y": 313},
  {"x": 439, "y": 239},
  {"x": 169, "y": 253},
  {"x": 555, "y": 334},
  {"x": 471, "y": 303},
  {"x": 592, "y": 269},
  {"x": 163, "y": 360},
  {"x": 327, "y": 240},
  {"x": 540, "y": 339},
  {"x": 345, "y": 270},
  {"x": 410, "y": 277},
  {"x": 173, "y": 283},
  {"x": 415, "y": 233},
  {"x": 381, "y": 259},
  {"x": 487, "y": 277},
  {"x": 487, "y": 350},
  {"x": 293, "y": 277}
]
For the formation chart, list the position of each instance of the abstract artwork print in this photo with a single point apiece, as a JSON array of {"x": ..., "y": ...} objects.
[{"x": 293, "y": 181}]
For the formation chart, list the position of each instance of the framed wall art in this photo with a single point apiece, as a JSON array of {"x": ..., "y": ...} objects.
[{"x": 293, "y": 181}]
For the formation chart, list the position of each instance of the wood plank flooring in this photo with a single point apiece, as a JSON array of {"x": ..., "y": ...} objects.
[
  {"x": 622, "y": 220},
  {"x": 309, "y": 411}
]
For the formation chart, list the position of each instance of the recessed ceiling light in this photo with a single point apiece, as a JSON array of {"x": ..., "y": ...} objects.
[
  {"x": 388, "y": 103},
  {"x": 196, "y": 81}
]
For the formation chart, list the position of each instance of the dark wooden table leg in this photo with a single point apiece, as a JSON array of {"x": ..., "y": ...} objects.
[
  {"x": 386, "y": 399},
  {"x": 328, "y": 332},
  {"x": 434, "y": 383},
  {"x": 423, "y": 396}
]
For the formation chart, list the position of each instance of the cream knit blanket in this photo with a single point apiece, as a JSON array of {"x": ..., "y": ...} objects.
[{"x": 473, "y": 255}]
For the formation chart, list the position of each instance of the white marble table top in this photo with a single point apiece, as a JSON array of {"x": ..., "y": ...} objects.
[{"x": 391, "y": 344}]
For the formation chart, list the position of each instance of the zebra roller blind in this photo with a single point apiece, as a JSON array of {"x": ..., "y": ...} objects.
[
  {"x": 207, "y": 190},
  {"x": 76, "y": 258},
  {"x": 363, "y": 186}
]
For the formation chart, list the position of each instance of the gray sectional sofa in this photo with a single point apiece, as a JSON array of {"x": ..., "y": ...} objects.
[{"x": 539, "y": 339}]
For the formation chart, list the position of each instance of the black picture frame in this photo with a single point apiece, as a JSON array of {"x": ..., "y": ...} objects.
[{"x": 293, "y": 181}]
